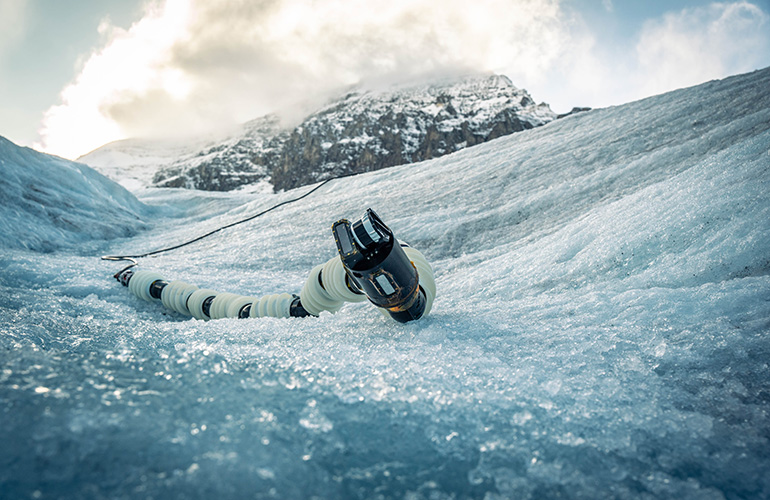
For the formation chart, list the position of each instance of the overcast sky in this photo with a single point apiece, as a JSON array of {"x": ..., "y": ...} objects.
[{"x": 75, "y": 75}]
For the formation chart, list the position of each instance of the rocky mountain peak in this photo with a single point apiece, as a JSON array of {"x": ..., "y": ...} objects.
[
  {"x": 371, "y": 129},
  {"x": 364, "y": 129}
]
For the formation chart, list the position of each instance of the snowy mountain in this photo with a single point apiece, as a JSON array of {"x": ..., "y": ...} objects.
[
  {"x": 366, "y": 131},
  {"x": 601, "y": 328},
  {"x": 362, "y": 131},
  {"x": 219, "y": 162}
]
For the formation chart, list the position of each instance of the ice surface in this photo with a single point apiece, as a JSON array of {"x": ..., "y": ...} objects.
[
  {"x": 48, "y": 202},
  {"x": 600, "y": 329}
]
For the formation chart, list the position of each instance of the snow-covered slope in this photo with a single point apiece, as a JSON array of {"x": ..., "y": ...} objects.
[
  {"x": 47, "y": 202},
  {"x": 373, "y": 129},
  {"x": 601, "y": 330},
  {"x": 133, "y": 162},
  {"x": 221, "y": 161},
  {"x": 361, "y": 131}
]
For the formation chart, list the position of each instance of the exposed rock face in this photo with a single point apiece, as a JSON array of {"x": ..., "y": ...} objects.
[
  {"x": 360, "y": 132},
  {"x": 367, "y": 131},
  {"x": 241, "y": 160}
]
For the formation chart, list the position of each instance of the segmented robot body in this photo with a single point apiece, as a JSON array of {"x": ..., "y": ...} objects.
[{"x": 371, "y": 264}]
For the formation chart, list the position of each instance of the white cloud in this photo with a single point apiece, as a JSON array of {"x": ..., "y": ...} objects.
[
  {"x": 676, "y": 50},
  {"x": 696, "y": 45},
  {"x": 133, "y": 63},
  {"x": 189, "y": 65},
  {"x": 193, "y": 65}
]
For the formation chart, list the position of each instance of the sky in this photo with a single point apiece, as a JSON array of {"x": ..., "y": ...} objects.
[{"x": 76, "y": 75}]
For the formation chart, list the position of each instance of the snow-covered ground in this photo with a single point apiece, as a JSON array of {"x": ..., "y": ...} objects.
[
  {"x": 601, "y": 328},
  {"x": 48, "y": 202}
]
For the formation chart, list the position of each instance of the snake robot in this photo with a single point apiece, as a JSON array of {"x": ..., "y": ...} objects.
[{"x": 371, "y": 265}]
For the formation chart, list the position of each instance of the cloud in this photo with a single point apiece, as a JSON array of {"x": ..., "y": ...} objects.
[
  {"x": 696, "y": 45},
  {"x": 133, "y": 66},
  {"x": 190, "y": 66},
  {"x": 679, "y": 49}
]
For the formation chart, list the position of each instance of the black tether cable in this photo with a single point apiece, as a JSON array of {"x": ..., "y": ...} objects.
[{"x": 168, "y": 249}]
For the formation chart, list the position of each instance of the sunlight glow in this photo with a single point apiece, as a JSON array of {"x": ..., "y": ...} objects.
[{"x": 189, "y": 66}]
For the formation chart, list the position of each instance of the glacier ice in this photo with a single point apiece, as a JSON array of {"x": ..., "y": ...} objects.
[
  {"x": 50, "y": 203},
  {"x": 600, "y": 329}
]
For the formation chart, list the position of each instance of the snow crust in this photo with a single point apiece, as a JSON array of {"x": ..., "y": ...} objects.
[
  {"x": 600, "y": 328},
  {"x": 48, "y": 202}
]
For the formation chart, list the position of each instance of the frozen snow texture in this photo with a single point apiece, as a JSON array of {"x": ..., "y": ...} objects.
[
  {"x": 600, "y": 330},
  {"x": 48, "y": 202}
]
